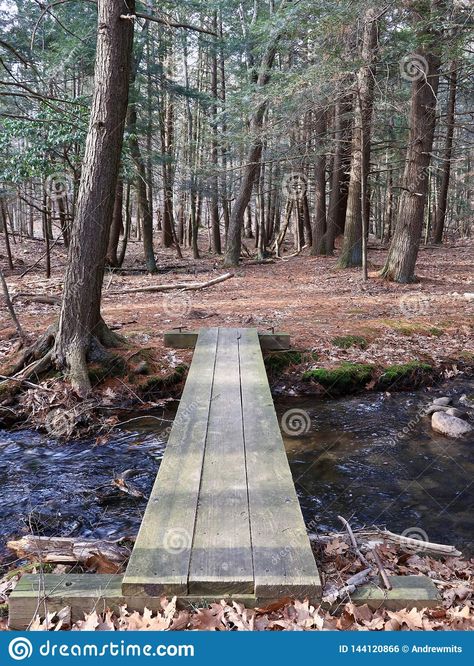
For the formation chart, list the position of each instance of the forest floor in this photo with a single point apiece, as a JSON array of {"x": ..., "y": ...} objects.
[
  {"x": 331, "y": 312},
  {"x": 333, "y": 317}
]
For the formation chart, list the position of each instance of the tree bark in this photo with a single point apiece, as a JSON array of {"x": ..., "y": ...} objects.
[
  {"x": 116, "y": 226},
  {"x": 336, "y": 213},
  {"x": 80, "y": 320},
  {"x": 440, "y": 215},
  {"x": 351, "y": 254},
  {"x": 252, "y": 160},
  {"x": 403, "y": 251},
  {"x": 318, "y": 246}
]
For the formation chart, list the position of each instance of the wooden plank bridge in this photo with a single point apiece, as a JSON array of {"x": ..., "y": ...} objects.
[{"x": 223, "y": 518}]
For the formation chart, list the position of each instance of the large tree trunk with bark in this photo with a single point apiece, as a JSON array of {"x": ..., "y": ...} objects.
[
  {"x": 80, "y": 322},
  {"x": 351, "y": 254},
  {"x": 403, "y": 252},
  {"x": 336, "y": 213},
  {"x": 319, "y": 221},
  {"x": 440, "y": 215}
]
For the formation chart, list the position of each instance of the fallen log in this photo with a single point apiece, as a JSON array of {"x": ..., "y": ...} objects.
[
  {"x": 68, "y": 550},
  {"x": 37, "y": 298},
  {"x": 184, "y": 286},
  {"x": 348, "y": 588}
]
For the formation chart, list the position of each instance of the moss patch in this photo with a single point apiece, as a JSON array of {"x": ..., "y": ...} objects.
[
  {"x": 347, "y": 341},
  {"x": 411, "y": 373},
  {"x": 157, "y": 384},
  {"x": 346, "y": 378}
]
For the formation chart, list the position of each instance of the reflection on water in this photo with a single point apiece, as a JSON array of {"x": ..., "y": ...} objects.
[{"x": 350, "y": 463}]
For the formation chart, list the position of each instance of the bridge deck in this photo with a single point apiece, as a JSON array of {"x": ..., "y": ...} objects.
[{"x": 223, "y": 517}]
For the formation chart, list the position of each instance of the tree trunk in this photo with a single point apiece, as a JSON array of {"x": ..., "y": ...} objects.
[
  {"x": 116, "y": 226},
  {"x": 216, "y": 234},
  {"x": 80, "y": 320},
  {"x": 338, "y": 196},
  {"x": 403, "y": 251},
  {"x": 440, "y": 216},
  {"x": 144, "y": 204},
  {"x": 351, "y": 254},
  {"x": 319, "y": 221},
  {"x": 252, "y": 159}
]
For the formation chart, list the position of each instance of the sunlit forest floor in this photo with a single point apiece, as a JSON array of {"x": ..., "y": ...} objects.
[{"x": 307, "y": 297}]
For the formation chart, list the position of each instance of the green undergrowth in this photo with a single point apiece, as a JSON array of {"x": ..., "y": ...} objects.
[
  {"x": 99, "y": 372},
  {"x": 344, "y": 379},
  {"x": 351, "y": 377},
  {"x": 412, "y": 373}
]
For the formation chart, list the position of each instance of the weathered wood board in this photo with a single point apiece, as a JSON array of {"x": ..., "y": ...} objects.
[
  {"x": 162, "y": 553},
  {"x": 180, "y": 339}
]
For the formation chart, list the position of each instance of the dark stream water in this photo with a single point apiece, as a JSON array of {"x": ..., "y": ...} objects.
[{"x": 351, "y": 462}]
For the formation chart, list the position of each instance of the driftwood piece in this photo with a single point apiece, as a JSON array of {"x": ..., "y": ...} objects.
[
  {"x": 374, "y": 536},
  {"x": 67, "y": 549},
  {"x": 349, "y": 586},
  {"x": 184, "y": 286}
]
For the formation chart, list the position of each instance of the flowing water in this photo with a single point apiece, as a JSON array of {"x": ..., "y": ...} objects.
[{"x": 352, "y": 461}]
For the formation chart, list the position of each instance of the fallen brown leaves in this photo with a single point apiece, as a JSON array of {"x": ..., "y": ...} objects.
[{"x": 293, "y": 616}]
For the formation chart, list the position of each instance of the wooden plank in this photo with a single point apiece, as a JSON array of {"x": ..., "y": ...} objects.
[
  {"x": 221, "y": 557},
  {"x": 161, "y": 556},
  {"x": 187, "y": 340},
  {"x": 39, "y": 594},
  {"x": 284, "y": 564}
]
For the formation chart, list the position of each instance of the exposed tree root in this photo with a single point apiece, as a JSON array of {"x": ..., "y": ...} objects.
[{"x": 45, "y": 356}]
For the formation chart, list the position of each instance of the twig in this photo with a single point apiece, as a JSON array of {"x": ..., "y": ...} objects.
[
  {"x": 352, "y": 538},
  {"x": 26, "y": 383},
  {"x": 10, "y": 307},
  {"x": 382, "y": 571},
  {"x": 50, "y": 300}
]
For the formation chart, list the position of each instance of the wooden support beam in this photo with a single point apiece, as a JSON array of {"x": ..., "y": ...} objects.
[
  {"x": 407, "y": 592},
  {"x": 37, "y": 594},
  {"x": 187, "y": 340}
]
